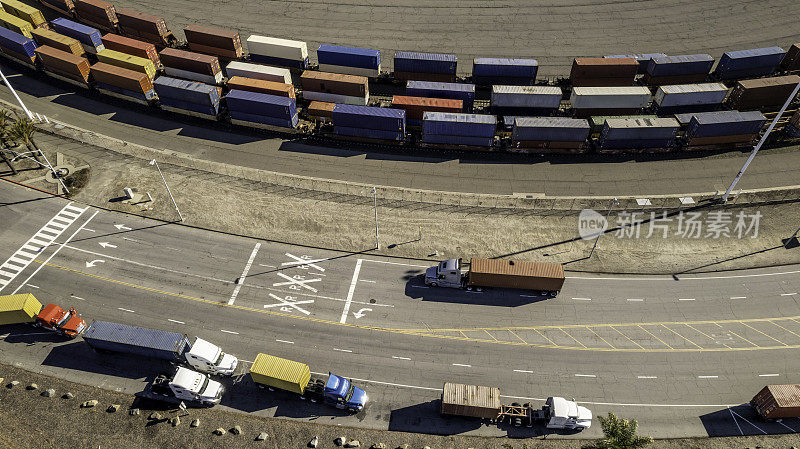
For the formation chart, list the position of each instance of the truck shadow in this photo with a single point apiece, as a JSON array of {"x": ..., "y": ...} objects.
[
  {"x": 742, "y": 420},
  {"x": 416, "y": 289},
  {"x": 79, "y": 356},
  {"x": 30, "y": 335},
  {"x": 241, "y": 393},
  {"x": 425, "y": 418}
]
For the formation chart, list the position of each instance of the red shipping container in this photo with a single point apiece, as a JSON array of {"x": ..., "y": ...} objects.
[
  {"x": 415, "y": 107},
  {"x": 130, "y": 46},
  {"x": 261, "y": 86}
]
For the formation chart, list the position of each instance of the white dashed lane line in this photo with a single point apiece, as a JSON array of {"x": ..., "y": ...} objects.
[
  {"x": 342, "y": 350},
  {"x": 738, "y": 297},
  {"x": 32, "y": 286},
  {"x": 647, "y": 377},
  {"x": 462, "y": 364},
  {"x": 685, "y": 299},
  {"x": 284, "y": 341},
  {"x": 523, "y": 371},
  {"x": 229, "y": 332},
  {"x": 585, "y": 375},
  {"x": 768, "y": 375},
  {"x": 788, "y": 294},
  {"x": 707, "y": 377},
  {"x": 176, "y": 321},
  {"x": 401, "y": 358},
  {"x": 126, "y": 310},
  {"x": 582, "y": 299},
  {"x": 635, "y": 299}
]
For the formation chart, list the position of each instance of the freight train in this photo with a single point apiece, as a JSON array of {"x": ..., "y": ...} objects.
[{"x": 620, "y": 103}]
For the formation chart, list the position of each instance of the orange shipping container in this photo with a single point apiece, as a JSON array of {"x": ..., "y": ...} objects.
[
  {"x": 261, "y": 86},
  {"x": 516, "y": 274},
  {"x": 121, "y": 77},
  {"x": 96, "y": 13},
  {"x": 321, "y": 109},
  {"x": 189, "y": 61},
  {"x": 130, "y": 46},
  {"x": 415, "y": 107},
  {"x": 63, "y": 63},
  {"x": 223, "y": 43},
  {"x": 777, "y": 401}
]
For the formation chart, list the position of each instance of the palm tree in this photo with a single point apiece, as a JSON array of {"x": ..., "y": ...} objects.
[
  {"x": 620, "y": 433},
  {"x": 5, "y": 118},
  {"x": 23, "y": 130}
]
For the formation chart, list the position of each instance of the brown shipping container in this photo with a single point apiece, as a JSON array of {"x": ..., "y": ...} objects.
[
  {"x": 64, "y": 6},
  {"x": 63, "y": 63},
  {"x": 791, "y": 61},
  {"x": 261, "y": 86},
  {"x": 676, "y": 79},
  {"x": 720, "y": 140},
  {"x": 120, "y": 77},
  {"x": 139, "y": 22},
  {"x": 777, "y": 401},
  {"x": 604, "y": 68},
  {"x": 435, "y": 77},
  {"x": 220, "y": 52},
  {"x": 415, "y": 107},
  {"x": 321, "y": 109},
  {"x": 189, "y": 61},
  {"x": 97, "y": 12},
  {"x": 602, "y": 82},
  {"x": 763, "y": 92},
  {"x": 470, "y": 400},
  {"x": 516, "y": 274},
  {"x": 334, "y": 83},
  {"x": 57, "y": 41},
  {"x": 130, "y": 46},
  {"x": 213, "y": 38}
]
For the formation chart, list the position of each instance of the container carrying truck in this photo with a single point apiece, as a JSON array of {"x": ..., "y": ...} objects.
[
  {"x": 274, "y": 372},
  {"x": 170, "y": 346},
  {"x": 484, "y": 402},
  {"x": 777, "y": 402},
  {"x": 184, "y": 385},
  {"x": 25, "y": 308},
  {"x": 545, "y": 277}
]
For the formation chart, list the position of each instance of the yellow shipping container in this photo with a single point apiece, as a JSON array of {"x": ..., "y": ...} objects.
[
  {"x": 24, "y": 12},
  {"x": 59, "y": 41},
  {"x": 127, "y": 61},
  {"x": 15, "y": 24},
  {"x": 21, "y": 308},
  {"x": 280, "y": 373}
]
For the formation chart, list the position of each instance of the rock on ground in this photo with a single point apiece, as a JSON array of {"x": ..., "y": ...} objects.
[
  {"x": 90, "y": 403},
  {"x": 49, "y": 393}
]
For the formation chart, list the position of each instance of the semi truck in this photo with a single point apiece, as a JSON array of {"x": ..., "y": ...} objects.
[
  {"x": 184, "y": 385},
  {"x": 777, "y": 402},
  {"x": 545, "y": 277},
  {"x": 276, "y": 373},
  {"x": 25, "y": 308},
  {"x": 174, "y": 347},
  {"x": 484, "y": 402}
]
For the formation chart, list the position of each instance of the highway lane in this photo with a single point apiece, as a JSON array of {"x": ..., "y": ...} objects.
[{"x": 185, "y": 299}]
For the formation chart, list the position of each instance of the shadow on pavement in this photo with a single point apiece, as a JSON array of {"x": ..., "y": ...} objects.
[
  {"x": 26, "y": 333},
  {"x": 742, "y": 420},
  {"x": 425, "y": 418},
  {"x": 416, "y": 289},
  {"x": 79, "y": 356},
  {"x": 241, "y": 393}
]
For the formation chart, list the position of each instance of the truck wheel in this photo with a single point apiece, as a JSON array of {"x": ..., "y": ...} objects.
[
  {"x": 434, "y": 284},
  {"x": 352, "y": 410}
]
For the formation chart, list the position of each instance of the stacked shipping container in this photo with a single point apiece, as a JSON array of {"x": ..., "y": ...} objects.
[
  {"x": 133, "y": 47},
  {"x": 711, "y": 129},
  {"x": 533, "y": 100},
  {"x": 681, "y": 69},
  {"x": 276, "y": 51},
  {"x": 64, "y": 66},
  {"x": 261, "y": 86},
  {"x": 643, "y": 59},
  {"x": 15, "y": 24},
  {"x": 89, "y": 37},
  {"x": 587, "y": 101},
  {"x": 144, "y": 27},
  {"x": 25, "y": 12},
  {"x": 65, "y": 7},
  {"x": 597, "y": 122},
  {"x": 689, "y": 97},
  {"x": 517, "y": 72},
  {"x": 222, "y": 43},
  {"x": 456, "y": 91},
  {"x": 123, "y": 83},
  {"x": 349, "y": 60},
  {"x": 127, "y": 61},
  {"x": 473, "y": 130},
  {"x": 261, "y": 110},
  {"x": 550, "y": 134},
  {"x": 335, "y": 87},
  {"x": 59, "y": 41},
  {"x": 415, "y": 107},
  {"x": 97, "y": 13},
  {"x": 749, "y": 63},
  {"x": 603, "y": 71},
  {"x": 791, "y": 61},
  {"x": 193, "y": 66},
  {"x": 638, "y": 135},
  {"x": 425, "y": 66},
  {"x": 18, "y": 48},
  {"x": 258, "y": 71},
  {"x": 369, "y": 122},
  {"x": 188, "y": 97},
  {"x": 766, "y": 93}
]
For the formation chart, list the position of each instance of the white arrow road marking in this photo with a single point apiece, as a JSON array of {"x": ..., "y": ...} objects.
[
  {"x": 353, "y": 282},
  {"x": 94, "y": 262},
  {"x": 107, "y": 245},
  {"x": 296, "y": 282},
  {"x": 299, "y": 261},
  {"x": 122, "y": 227},
  {"x": 244, "y": 273},
  {"x": 361, "y": 311},
  {"x": 289, "y": 301}
]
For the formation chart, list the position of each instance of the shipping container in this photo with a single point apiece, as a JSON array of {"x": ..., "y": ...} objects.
[
  {"x": 136, "y": 82},
  {"x": 183, "y": 107},
  {"x": 127, "y": 61},
  {"x": 64, "y": 65},
  {"x": 44, "y": 36},
  {"x": 763, "y": 93},
  {"x": 132, "y": 47},
  {"x": 749, "y": 63},
  {"x": 725, "y": 123},
  {"x": 597, "y": 122},
  {"x": 432, "y": 63},
  {"x": 415, "y": 107},
  {"x": 280, "y": 373},
  {"x": 450, "y": 124},
  {"x": 791, "y": 61},
  {"x": 150, "y": 343},
  {"x": 18, "y": 44},
  {"x": 145, "y": 27},
  {"x": 261, "y": 86},
  {"x": 277, "y": 51},
  {"x": 690, "y": 94},
  {"x": 194, "y": 66},
  {"x": 15, "y": 24},
  {"x": 223, "y": 43},
  {"x": 65, "y": 7},
  {"x": 88, "y": 36},
  {"x": 457, "y": 141},
  {"x": 643, "y": 59},
  {"x": 321, "y": 109},
  {"x": 279, "y": 124},
  {"x": 368, "y": 133},
  {"x": 25, "y": 12},
  {"x": 261, "y": 104},
  {"x": 258, "y": 71},
  {"x": 458, "y": 91},
  {"x": 633, "y": 97},
  {"x": 19, "y": 308},
  {"x": 470, "y": 401},
  {"x": 680, "y": 65},
  {"x": 517, "y": 274},
  {"x": 189, "y": 91},
  {"x": 603, "y": 71},
  {"x": 385, "y": 119},
  {"x": 334, "y": 83},
  {"x": 486, "y": 71},
  {"x": 777, "y": 401},
  {"x": 97, "y": 13},
  {"x": 560, "y": 129},
  {"x": 525, "y": 97},
  {"x": 334, "y": 98},
  {"x": 638, "y": 134},
  {"x": 349, "y": 60}
]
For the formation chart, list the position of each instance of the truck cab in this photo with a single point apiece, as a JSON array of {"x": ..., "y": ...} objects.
[
  {"x": 57, "y": 319},
  {"x": 563, "y": 414},
  {"x": 191, "y": 386},
  {"x": 446, "y": 274},
  {"x": 209, "y": 358},
  {"x": 341, "y": 393}
]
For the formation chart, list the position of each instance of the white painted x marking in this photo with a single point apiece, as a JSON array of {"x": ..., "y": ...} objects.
[
  {"x": 299, "y": 261},
  {"x": 289, "y": 301},
  {"x": 296, "y": 283}
]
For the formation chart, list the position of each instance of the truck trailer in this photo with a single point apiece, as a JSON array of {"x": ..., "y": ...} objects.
[
  {"x": 184, "y": 385},
  {"x": 173, "y": 347},
  {"x": 777, "y": 401},
  {"x": 545, "y": 277},
  {"x": 25, "y": 308},
  {"x": 476, "y": 401},
  {"x": 274, "y": 372}
]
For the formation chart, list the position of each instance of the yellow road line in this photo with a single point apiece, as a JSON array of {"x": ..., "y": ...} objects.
[
  {"x": 787, "y": 330},
  {"x": 751, "y": 327},
  {"x": 653, "y": 335},
  {"x": 629, "y": 338},
  {"x": 465, "y": 335},
  {"x": 520, "y": 338},
  {"x": 709, "y": 336},
  {"x": 570, "y": 336},
  {"x": 734, "y": 333},
  {"x": 545, "y": 337},
  {"x": 491, "y": 335},
  {"x": 601, "y": 338},
  {"x": 679, "y": 335}
]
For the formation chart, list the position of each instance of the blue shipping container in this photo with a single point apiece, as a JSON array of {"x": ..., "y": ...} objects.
[
  {"x": 505, "y": 68},
  {"x": 87, "y": 35},
  {"x": 457, "y": 91},
  {"x": 261, "y": 104},
  {"x": 349, "y": 56},
  {"x": 725, "y": 123},
  {"x": 406, "y": 61},
  {"x": 17, "y": 42},
  {"x": 459, "y": 140},
  {"x": 290, "y": 122},
  {"x": 554, "y": 129},
  {"x": 643, "y": 59},
  {"x": 281, "y": 62},
  {"x": 193, "y": 107},
  {"x": 369, "y": 133},
  {"x": 136, "y": 340},
  {"x": 186, "y": 91},
  {"x": 366, "y": 117},
  {"x": 680, "y": 65},
  {"x": 745, "y": 63},
  {"x": 451, "y": 124}
]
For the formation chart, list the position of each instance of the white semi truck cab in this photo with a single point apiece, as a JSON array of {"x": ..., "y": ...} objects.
[
  {"x": 446, "y": 274},
  {"x": 193, "y": 388},
  {"x": 560, "y": 413},
  {"x": 209, "y": 358}
]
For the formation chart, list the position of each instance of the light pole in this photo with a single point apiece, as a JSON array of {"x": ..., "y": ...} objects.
[
  {"x": 614, "y": 202},
  {"x": 375, "y": 204},
  {"x": 19, "y": 100},
  {"x": 760, "y": 142},
  {"x": 153, "y": 162}
]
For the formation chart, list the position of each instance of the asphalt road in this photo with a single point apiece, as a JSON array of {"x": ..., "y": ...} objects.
[
  {"x": 557, "y": 175},
  {"x": 672, "y": 353}
]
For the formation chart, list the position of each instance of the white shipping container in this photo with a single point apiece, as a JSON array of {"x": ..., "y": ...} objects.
[
  {"x": 691, "y": 94},
  {"x": 369, "y": 73},
  {"x": 277, "y": 48},
  {"x": 258, "y": 71},
  {"x": 610, "y": 97},
  {"x": 526, "y": 96},
  {"x": 333, "y": 98}
]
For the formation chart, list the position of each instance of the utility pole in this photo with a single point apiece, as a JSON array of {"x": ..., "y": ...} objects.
[
  {"x": 153, "y": 162},
  {"x": 375, "y": 204},
  {"x": 760, "y": 142},
  {"x": 614, "y": 202}
]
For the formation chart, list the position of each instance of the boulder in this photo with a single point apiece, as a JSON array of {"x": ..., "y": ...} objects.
[
  {"x": 340, "y": 441},
  {"x": 49, "y": 393},
  {"x": 353, "y": 443},
  {"x": 314, "y": 442},
  {"x": 112, "y": 408},
  {"x": 175, "y": 421},
  {"x": 262, "y": 436},
  {"x": 32, "y": 387},
  {"x": 195, "y": 423},
  {"x": 154, "y": 416},
  {"x": 403, "y": 446},
  {"x": 68, "y": 395},
  {"x": 89, "y": 404},
  {"x": 219, "y": 431},
  {"x": 236, "y": 430},
  {"x": 13, "y": 384},
  {"x": 134, "y": 411},
  {"x": 378, "y": 446}
]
